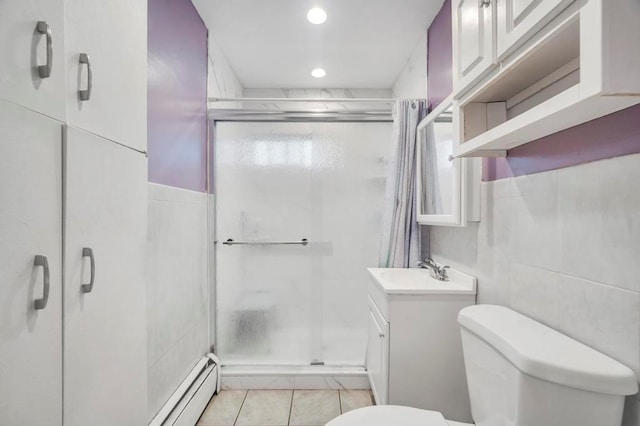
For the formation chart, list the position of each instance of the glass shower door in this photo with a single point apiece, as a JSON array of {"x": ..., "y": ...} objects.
[{"x": 296, "y": 304}]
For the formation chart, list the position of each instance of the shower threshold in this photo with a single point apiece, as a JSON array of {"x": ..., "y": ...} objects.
[{"x": 294, "y": 377}]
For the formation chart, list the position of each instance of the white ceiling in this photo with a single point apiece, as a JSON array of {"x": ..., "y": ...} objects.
[{"x": 363, "y": 44}]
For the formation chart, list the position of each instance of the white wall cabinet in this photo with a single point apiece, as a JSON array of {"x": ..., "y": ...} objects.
[
  {"x": 103, "y": 176},
  {"x": 105, "y": 354},
  {"x": 30, "y": 226},
  {"x": 561, "y": 63},
  {"x": 473, "y": 41},
  {"x": 113, "y": 34},
  {"x": 519, "y": 19},
  {"x": 23, "y": 49}
]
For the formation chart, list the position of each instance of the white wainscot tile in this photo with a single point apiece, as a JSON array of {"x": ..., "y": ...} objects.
[
  {"x": 603, "y": 317},
  {"x": 169, "y": 371},
  {"x": 534, "y": 292},
  {"x": 496, "y": 189},
  {"x": 493, "y": 266},
  {"x": 599, "y": 209},
  {"x": 534, "y": 221},
  {"x": 176, "y": 269}
]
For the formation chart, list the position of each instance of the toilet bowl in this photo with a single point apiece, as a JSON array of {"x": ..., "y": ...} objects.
[
  {"x": 521, "y": 373},
  {"x": 392, "y": 415}
]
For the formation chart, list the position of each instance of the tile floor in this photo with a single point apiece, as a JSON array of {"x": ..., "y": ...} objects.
[{"x": 281, "y": 407}]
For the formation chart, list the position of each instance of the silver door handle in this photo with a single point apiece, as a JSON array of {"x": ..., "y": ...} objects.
[
  {"x": 44, "y": 71},
  {"x": 85, "y": 95},
  {"x": 41, "y": 260},
  {"x": 485, "y": 3},
  {"x": 87, "y": 252}
]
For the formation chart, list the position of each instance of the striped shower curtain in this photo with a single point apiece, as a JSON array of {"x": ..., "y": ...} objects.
[{"x": 400, "y": 244}]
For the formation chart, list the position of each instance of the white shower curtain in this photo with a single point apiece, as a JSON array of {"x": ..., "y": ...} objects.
[{"x": 400, "y": 244}]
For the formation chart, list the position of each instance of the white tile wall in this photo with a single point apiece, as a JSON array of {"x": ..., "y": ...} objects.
[
  {"x": 561, "y": 247},
  {"x": 177, "y": 288}
]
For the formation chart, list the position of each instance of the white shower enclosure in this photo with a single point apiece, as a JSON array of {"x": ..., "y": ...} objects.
[{"x": 317, "y": 186}]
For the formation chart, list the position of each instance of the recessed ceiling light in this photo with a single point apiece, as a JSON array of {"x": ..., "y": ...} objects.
[
  {"x": 318, "y": 73},
  {"x": 316, "y": 16}
]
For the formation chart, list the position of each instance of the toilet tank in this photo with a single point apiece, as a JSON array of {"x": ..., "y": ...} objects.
[{"x": 523, "y": 373}]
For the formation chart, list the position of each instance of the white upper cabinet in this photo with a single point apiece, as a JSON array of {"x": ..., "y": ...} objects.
[
  {"x": 30, "y": 268},
  {"x": 519, "y": 19},
  {"x": 560, "y": 63},
  {"x": 473, "y": 41},
  {"x": 105, "y": 348},
  {"x": 106, "y": 65},
  {"x": 32, "y": 71}
]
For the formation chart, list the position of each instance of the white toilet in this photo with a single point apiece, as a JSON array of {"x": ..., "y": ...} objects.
[{"x": 521, "y": 373}]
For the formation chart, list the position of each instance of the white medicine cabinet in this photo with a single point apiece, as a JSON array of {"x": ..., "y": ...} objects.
[{"x": 446, "y": 187}]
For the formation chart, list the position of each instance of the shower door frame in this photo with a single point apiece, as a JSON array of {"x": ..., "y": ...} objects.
[{"x": 216, "y": 115}]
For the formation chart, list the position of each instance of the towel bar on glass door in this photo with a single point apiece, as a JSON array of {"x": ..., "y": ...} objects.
[{"x": 230, "y": 242}]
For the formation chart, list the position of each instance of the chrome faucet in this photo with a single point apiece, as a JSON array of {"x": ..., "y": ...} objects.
[{"x": 437, "y": 272}]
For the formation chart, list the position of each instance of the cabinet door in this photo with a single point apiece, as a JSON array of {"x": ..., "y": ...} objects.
[
  {"x": 113, "y": 34},
  {"x": 473, "y": 41},
  {"x": 378, "y": 357},
  {"x": 23, "y": 48},
  {"x": 30, "y": 226},
  {"x": 520, "y": 19},
  {"x": 105, "y": 353}
]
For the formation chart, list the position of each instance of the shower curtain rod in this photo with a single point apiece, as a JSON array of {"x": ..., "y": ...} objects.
[{"x": 313, "y": 100}]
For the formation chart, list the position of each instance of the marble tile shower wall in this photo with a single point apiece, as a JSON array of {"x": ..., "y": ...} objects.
[
  {"x": 561, "y": 247},
  {"x": 316, "y": 93}
]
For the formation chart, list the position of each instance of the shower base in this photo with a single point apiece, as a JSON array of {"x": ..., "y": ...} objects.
[{"x": 294, "y": 377}]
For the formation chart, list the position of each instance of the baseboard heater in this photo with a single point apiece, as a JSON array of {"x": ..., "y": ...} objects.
[{"x": 188, "y": 402}]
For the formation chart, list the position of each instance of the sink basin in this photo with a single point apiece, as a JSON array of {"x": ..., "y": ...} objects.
[{"x": 419, "y": 281}]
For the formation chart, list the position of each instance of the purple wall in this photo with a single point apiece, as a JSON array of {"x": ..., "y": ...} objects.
[
  {"x": 606, "y": 137},
  {"x": 439, "y": 57},
  {"x": 177, "y": 95}
]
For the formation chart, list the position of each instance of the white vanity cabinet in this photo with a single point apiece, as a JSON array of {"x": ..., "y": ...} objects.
[{"x": 414, "y": 355}]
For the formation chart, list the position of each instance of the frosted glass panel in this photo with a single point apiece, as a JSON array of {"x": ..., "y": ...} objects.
[{"x": 294, "y": 305}]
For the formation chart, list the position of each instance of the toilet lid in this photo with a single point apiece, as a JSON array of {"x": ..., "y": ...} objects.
[{"x": 389, "y": 415}]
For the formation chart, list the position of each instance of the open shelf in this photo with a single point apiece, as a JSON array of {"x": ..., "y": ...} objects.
[{"x": 557, "y": 81}]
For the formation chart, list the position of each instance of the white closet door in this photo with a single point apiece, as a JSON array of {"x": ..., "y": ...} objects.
[
  {"x": 30, "y": 226},
  {"x": 23, "y": 48},
  {"x": 520, "y": 19},
  {"x": 114, "y": 36},
  {"x": 473, "y": 41},
  {"x": 105, "y": 351}
]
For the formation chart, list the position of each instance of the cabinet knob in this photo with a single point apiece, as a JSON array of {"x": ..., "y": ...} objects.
[
  {"x": 381, "y": 335},
  {"x": 485, "y": 3}
]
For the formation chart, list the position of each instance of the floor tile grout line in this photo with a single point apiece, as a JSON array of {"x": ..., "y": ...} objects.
[
  {"x": 340, "y": 400},
  {"x": 290, "y": 407},
  {"x": 241, "y": 405}
]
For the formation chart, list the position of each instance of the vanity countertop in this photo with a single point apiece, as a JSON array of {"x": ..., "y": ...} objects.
[{"x": 418, "y": 281}]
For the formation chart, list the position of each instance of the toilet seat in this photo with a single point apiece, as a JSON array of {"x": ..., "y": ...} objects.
[{"x": 389, "y": 415}]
